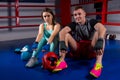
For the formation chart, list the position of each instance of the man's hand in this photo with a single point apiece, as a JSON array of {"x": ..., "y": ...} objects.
[{"x": 99, "y": 46}]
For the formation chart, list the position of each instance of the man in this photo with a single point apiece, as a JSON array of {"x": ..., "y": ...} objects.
[{"x": 82, "y": 29}]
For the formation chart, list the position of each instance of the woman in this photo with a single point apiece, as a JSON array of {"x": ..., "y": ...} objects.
[{"x": 47, "y": 38}]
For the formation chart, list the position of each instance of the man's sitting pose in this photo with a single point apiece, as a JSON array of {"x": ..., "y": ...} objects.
[{"x": 82, "y": 29}]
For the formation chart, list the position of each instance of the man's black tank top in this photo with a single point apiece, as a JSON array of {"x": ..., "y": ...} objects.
[{"x": 83, "y": 32}]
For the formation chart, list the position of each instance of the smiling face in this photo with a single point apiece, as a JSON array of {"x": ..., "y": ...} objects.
[
  {"x": 79, "y": 16},
  {"x": 47, "y": 17}
]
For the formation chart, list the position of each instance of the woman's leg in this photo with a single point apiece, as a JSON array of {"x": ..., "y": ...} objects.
[
  {"x": 54, "y": 46},
  {"x": 33, "y": 60},
  {"x": 42, "y": 42}
]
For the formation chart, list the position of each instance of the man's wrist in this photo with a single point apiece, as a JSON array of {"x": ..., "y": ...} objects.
[
  {"x": 36, "y": 42},
  {"x": 100, "y": 38}
]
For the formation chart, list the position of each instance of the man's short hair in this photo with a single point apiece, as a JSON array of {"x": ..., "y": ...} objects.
[{"x": 78, "y": 7}]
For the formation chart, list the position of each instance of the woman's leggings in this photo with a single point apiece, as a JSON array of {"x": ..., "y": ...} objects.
[{"x": 43, "y": 41}]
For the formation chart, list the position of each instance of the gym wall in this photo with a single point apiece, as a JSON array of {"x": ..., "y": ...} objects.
[
  {"x": 31, "y": 32},
  {"x": 21, "y": 32}
]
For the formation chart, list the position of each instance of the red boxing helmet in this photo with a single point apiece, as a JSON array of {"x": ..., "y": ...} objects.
[{"x": 49, "y": 61}]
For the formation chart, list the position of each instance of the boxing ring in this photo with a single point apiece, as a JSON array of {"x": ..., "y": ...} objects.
[
  {"x": 17, "y": 17},
  {"x": 12, "y": 67}
]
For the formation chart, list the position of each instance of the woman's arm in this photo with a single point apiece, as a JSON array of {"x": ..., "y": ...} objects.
[
  {"x": 54, "y": 33},
  {"x": 40, "y": 33}
]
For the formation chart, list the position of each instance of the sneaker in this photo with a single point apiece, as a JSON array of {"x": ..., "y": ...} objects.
[
  {"x": 32, "y": 62},
  {"x": 96, "y": 71},
  {"x": 60, "y": 66}
]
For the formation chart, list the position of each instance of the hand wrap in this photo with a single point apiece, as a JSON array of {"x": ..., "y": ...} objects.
[
  {"x": 35, "y": 45},
  {"x": 46, "y": 47},
  {"x": 62, "y": 45},
  {"x": 99, "y": 44}
]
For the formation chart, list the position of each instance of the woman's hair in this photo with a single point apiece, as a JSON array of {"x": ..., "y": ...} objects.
[{"x": 51, "y": 12}]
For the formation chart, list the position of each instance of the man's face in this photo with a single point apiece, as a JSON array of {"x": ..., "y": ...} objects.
[{"x": 79, "y": 15}]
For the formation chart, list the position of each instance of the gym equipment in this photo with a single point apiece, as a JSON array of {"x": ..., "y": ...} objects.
[
  {"x": 62, "y": 45},
  {"x": 26, "y": 52},
  {"x": 99, "y": 44},
  {"x": 26, "y": 55},
  {"x": 111, "y": 36},
  {"x": 24, "y": 49},
  {"x": 35, "y": 44},
  {"x": 49, "y": 61},
  {"x": 17, "y": 51}
]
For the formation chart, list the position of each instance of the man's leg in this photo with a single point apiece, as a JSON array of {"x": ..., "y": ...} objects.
[
  {"x": 68, "y": 41},
  {"x": 65, "y": 39},
  {"x": 100, "y": 53},
  {"x": 96, "y": 71},
  {"x": 61, "y": 64}
]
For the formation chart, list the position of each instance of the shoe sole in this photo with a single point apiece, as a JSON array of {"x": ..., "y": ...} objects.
[
  {"x": 32, "y": 66},
  {"x": 57, "y": 70},
  {"x": 93, "y": 75}
]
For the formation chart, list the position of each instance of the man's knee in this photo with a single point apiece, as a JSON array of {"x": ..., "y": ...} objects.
[
  {"x": 67, "y": 35},
  {"x": 64, "y": 31}
]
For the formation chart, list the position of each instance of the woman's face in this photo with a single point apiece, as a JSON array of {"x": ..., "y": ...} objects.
[{"x": 47, "y": 17}]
